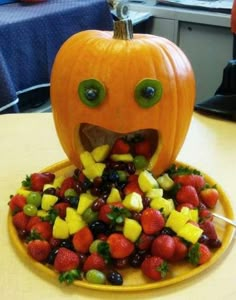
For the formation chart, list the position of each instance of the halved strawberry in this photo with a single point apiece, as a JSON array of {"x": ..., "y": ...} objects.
[
  {"x": 194, "y": 180},
  {"x": 209, "y": 197},
  {"x": 181, "y": 250},
  {"x": 131, "y": 187},
  {"x": 152, "y": 221},
  {"x": 209, "y": 229},
  {"x": 154, "y": 268},
  {"x": 66, "y": 260},
  {"x": 143, "y": 148},
  {"x": 199, "y": 254},
  {"x": 187, "y": 194},
  {"x": 163, "y": 246},
  {"x": 16, "y": 203},
  {"x": 43, "y": 230},
  {"x": 36, "y": 181},
  {"x": 145, "y": 241},
  {"x": 20, "y": 220},
  {"x": 94, "y": 261},
  {"x": 120, "y": 147},
  {"x": 60, "y": 208},
  {"x": 39, "y": 249},
  {"x": 120, "y": 246},
  {"x": 82, "y": 239}
]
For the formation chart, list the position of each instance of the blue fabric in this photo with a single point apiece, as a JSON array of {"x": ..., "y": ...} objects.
[{"x": 31, "y": 35}]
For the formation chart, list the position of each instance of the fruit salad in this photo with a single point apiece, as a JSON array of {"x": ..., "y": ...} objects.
[{"x": 113, "y": 213}]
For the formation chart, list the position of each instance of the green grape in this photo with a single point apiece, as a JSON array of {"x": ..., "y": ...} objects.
[
  {"x": 140, "y": 162},
  {"x": 94, "y": 246},
  {"x": 95, "y": 276},
  {"x": 34, "y": 198},
  {"x": 70, "y": 193},
  {"x": 89, "y": 215},
  {"x": 30, "y": 210},
  {"x": 122, "y": 175}
]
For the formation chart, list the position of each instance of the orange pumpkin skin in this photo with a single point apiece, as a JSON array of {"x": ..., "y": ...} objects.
[{"x": 120, "y": 65}]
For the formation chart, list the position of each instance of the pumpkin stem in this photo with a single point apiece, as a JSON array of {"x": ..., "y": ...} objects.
[{"x": 123, "y": 29}]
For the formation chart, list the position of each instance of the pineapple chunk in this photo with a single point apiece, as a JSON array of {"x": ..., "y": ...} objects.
[
  {"x": 42, "y": 213},
  {"x": 165, "y": 182},
  {"x": 24, "y": 192},
  {"x": 133, "y": 201},
  {"x": 114, "y": 196},
  {"x": 100, "y": 153},
  {"x": 165, "y": 205},
  {"x": 94, "y": 170},
  {"x": 60, "y": 229},
  {"x": 190, "y": 233},
  {"x": 86, "y": 159},
  {"x": 191, "y": 213},
  {"x": 155, "y": 193},
  {"x": 48, "y": 201},
  {"x": 176, "y": 220},
  {"x": 48, "y": 186},
  {"x": 132, "y": 229},
  {"x": 122, "y": 157},
  {"x": 58, "y": 181},
  {"x": 74, "y": 220},
  {"x": 85, "y": 201},
  {"x": 146, "y": 181}
]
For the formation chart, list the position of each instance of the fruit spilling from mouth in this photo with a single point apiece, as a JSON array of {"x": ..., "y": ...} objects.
[{"x": 112, "y": 214}]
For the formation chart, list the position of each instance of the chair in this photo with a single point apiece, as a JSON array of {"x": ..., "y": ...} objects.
[{"x": 223, "y": 103}]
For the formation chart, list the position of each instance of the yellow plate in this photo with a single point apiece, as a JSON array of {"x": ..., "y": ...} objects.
[{"x": 133, "y": 278}]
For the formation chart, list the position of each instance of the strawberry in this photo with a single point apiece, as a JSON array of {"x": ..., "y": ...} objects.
[
  {"x": 43, "y": 230},
  {"x": 205, "y": 214},
  {"x": 120, "y": 147},
  {"x": 82, "y": 239},
  {"x": 163, "y": 246},
  {"x": 94, "y": 261},
  {"x": 181, "y": 250},
  {"x": 209, "y": 197},
  {"x": 154, "y": 268},
  {"x": 120, "y": 246},
  {"x": 20, "y": 220},
  {"x": 32, "y": 221},
  {"x": 39, "y": 249},
  {"x": 68, "y": 183},
  {"x": 194, "y": 180},
  {"x": 180, "y": 206},
  {"x": 199, "y": 254},
  {"x": 209, "y": 229},
  {"x": 187, "y": 194},
  {"x": 17, "y": 203},
  {"x": 145, "y": 241},
  {"x": 152, "y": 221},
  {"x": 143, "y": 148},
  {"x": 60, "y": 208},
  {"x": 36, "y": 181},
  {"x": 131, "y": 187},
  {"x": 113, "y": 213},
  {"x": 66, "y": 260}
]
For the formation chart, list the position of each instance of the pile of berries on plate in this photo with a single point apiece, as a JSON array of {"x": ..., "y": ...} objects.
[{"x": 113, "y": 214}]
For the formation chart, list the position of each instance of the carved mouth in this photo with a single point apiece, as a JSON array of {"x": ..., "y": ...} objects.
[{"x": 92, "y": 136}]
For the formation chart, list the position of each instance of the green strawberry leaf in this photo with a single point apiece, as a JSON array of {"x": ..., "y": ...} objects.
[
  {"x": 104, "y": 250},
  {"x": 118, "y": 214},
  {"x": 51, "y": 216},
  {"x": 69, "y": 276},
  {"x": 194, "y": 254},
  {"x": 181, "y": 170},
  {"x": 26, "y": 182},
  {"x": 163, "y": 269}
]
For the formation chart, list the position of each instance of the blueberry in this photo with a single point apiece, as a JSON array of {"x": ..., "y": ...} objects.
[
  {"x": 52, "y": 255},
  {"x": 115, "y": 278},
  {"x": 98, "y": 227}
]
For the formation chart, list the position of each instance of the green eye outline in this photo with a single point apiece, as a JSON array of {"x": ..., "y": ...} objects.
[
  {"x": 91, "y": 92},
  {"x": 148, "y": 92}
]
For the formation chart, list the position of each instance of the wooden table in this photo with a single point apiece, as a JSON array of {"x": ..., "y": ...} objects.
[{"x": 29, "y": 143}]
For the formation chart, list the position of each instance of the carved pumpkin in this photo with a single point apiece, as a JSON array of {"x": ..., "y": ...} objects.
[{"x": 105, "y": 84}]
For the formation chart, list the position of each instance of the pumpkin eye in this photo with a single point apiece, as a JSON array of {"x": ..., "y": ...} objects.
[
  {"x": 148, "y": 92},
  {"x": 91, "y": 92}
]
